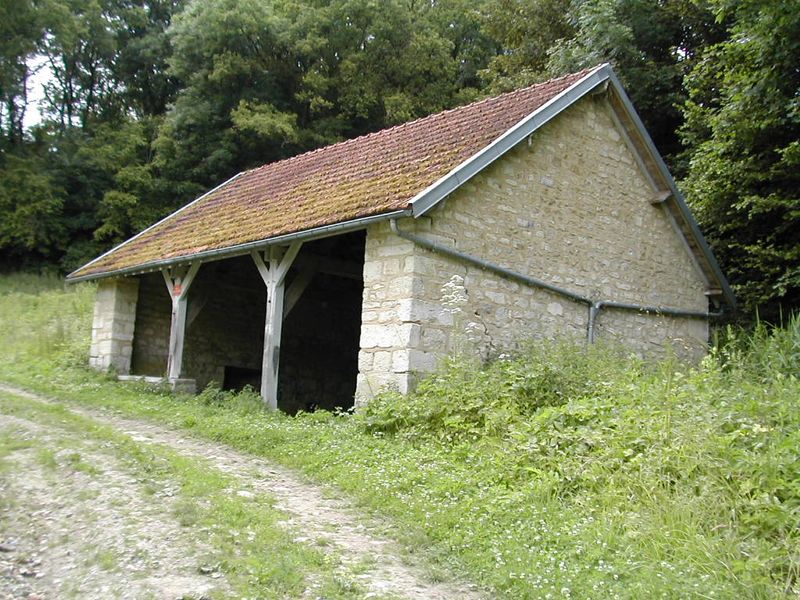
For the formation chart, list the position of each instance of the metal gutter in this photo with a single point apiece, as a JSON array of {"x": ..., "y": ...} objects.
[
  {"x": 595, "y": 306},
  {"x": 434, "y": 193},
  {"x": 486, "y": 265},
  {"x": 241, "y": 249}
]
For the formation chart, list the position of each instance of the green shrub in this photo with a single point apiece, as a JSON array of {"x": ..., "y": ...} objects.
[
  {"x": 464, "y": 400},
  {"x": 699, "y": 465},
  {"x": 560, "y": 471}
]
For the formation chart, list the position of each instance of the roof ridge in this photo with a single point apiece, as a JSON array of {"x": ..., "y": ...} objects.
[{"x": 419, "y": 119}]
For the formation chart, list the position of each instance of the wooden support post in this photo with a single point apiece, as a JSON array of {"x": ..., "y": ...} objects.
[
  {"x": 178, "y": 280},
  {"x": 273, "y": 267}
]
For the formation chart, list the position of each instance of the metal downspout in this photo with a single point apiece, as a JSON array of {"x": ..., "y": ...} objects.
[
  {"x": 594, "y": 310},
  {"x": 595, "y": 306}
]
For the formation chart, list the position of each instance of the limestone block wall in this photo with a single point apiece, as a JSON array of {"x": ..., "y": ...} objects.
[
  {"x": 225, "y": 320},
  {"x": 571, "y": 208},
  {"x": 113, "y": 324},
  {"x": 390, "y": 337},
  {"x": 153, "y": 316}
]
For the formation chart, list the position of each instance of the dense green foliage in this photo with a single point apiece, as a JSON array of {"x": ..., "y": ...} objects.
[
  {"x": 561, "y": 472},
  {"x": 150, "y": 102},
  {"x": 743, "y": 130}
]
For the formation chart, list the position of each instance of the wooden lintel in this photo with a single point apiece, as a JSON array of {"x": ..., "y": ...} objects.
[{"x": 349, "y": 269}]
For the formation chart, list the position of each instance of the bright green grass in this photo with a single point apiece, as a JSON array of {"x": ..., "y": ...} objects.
[
  {"x": 29, "y": 283},
  {"x": 562, "y": 473}
]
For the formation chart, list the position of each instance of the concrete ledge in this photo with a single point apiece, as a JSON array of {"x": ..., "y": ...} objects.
[{"x": 187, "y": 386}]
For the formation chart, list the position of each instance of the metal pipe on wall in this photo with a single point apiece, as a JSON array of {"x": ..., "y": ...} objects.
[{"x": 595, "y": 306}]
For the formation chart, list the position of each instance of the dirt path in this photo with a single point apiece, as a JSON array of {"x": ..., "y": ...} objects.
[
  {"x": 315, "y": 513},
  {"x": 76, "y": 525}
]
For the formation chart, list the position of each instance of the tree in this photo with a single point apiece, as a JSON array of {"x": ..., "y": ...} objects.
[
  {"x": 367, "y": 65},
  {"x": 263, "y": 82},
  {"x": 20, "y": 32},
  {"x": 80, "y": 49},
  {"x": 233, "y": 59},
  {"x": 144, "y": 50},
  {"x": 526, "y": 31},
  {"x": 651, "y": 45},
  {"x": 31, "y": 203},
  {"x": 742, "y": 135}
]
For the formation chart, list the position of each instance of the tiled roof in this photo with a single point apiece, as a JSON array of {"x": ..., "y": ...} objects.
[{"x": 370, "y": 175}]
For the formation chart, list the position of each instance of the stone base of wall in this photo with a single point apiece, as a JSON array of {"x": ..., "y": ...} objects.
[
  {"x": 184, "y": 386},
  {"x": 113, "y": 324},
  {"x": 370, "y": 384},
  {"x": 389, "y": 333}
]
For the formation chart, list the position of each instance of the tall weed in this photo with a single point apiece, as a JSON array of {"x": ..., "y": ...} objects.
[
  {"x": 44, "y": 322},
  {"x": 558, "y": 472},
  {"x": 465, "y": 400},
  {"x": 697, "y": 465}
]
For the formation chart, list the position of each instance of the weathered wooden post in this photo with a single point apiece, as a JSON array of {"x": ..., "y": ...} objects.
[
  {"x": 273, "y": 267},
  {"x": 178, "y": 280}
]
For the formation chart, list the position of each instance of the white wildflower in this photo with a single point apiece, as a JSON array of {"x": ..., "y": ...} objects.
[{"x": 454, "y": 295}]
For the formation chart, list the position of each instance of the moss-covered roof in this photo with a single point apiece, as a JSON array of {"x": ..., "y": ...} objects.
[{"x": 370, "y": 175}]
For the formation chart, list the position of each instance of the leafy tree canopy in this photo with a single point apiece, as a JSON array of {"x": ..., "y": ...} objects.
[
  {"x": 150, "y": 102},
  {"x": 742, "y": 135}
]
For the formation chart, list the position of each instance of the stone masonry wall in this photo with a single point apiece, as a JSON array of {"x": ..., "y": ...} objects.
[
  {"x": 389, "y": 335},
  {"x": 225, "y": 322},
  {"x": 153, "y": 316},
  {"x": 572, "y": 209},
  {"x": 228, "y": 328},
  {"x": 113, "y": 324}
]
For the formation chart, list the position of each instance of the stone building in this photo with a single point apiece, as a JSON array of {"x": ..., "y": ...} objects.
[{"x": 539, "y": 213}]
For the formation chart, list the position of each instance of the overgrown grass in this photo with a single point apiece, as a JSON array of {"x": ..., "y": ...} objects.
[
  {"x": 559, "y": 473},
  {"x": 258, "y": 556},
  {"x": 29, "y": 283}
]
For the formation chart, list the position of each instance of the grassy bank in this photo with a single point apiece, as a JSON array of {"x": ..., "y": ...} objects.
[{"x": 558, "y": 473}]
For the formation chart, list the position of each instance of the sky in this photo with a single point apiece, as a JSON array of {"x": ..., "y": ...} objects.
[{"x": 41, "y": 75}]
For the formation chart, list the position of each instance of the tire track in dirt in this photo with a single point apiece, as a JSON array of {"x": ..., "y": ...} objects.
[
  {"x": 76, "y": 524},
  {"x": 313, "y": 513}
]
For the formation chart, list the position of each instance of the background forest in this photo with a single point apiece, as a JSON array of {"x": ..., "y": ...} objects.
[{"x": 150, "y": 102}]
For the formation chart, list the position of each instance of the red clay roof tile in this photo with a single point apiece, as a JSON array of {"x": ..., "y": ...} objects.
[{"x": 370, "y": 175}]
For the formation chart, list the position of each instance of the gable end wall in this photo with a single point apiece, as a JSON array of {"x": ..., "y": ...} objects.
[{"x": 572, "y": 209}]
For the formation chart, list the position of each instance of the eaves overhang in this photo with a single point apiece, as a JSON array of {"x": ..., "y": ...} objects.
[
  {"x": 601, "y": 78},
  {"x": 242, "y": 249}
]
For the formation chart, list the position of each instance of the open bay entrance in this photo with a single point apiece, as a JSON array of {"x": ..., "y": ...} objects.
[{"x": 224, "y": 324}]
